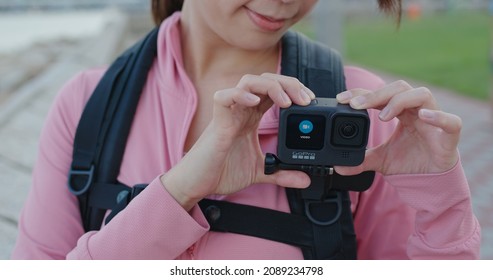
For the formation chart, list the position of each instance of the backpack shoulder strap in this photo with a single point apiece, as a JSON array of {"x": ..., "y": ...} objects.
[
  {"x": 103, "y": 129},
  {"x": 320, "y": 69},
  {"x": 317, "y": 66}
]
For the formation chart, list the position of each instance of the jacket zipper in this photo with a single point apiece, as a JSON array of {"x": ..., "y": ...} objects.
[{"x": 190, "y": 252}]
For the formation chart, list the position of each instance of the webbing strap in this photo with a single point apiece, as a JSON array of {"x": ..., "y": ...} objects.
[
  {"x": 105, "y": 123},
  {"x": 289, "y": 228},
  {"x": 315, "y": 65},
  {"x": 260, "y": 222},
  {"x": 335, "y": 240},
  {"x": 320, "y": 69}
]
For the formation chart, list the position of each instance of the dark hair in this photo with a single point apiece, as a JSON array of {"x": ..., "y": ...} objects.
[
  {"x": 161, "y": 9},
  {"x": 393, "y": 7}
]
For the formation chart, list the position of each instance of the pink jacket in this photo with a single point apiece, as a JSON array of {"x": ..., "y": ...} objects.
[{"x": 399, "y": 217}]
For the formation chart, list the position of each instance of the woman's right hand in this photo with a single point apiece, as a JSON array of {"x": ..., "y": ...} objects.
[{"x": 227, "y": 157}]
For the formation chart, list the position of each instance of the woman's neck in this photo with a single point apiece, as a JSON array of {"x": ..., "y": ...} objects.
[{"x": 209, "y": 57}]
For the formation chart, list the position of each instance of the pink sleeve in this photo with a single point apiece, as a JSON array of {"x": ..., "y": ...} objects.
[
  {"x": 161, "y": 229},
  {"x": 383, "y": 222},
  {"x": 418, "y": 217},
  {"x": 412, "y": 216},
  {"x": 50, "y": 224},
  {"x": 445, "y": 227}
]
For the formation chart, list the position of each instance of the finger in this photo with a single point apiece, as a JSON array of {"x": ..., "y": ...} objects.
[
  {"x": 265, "y": 87},
  {"x": 365, "y": 99},
  {"x": 287, "y": 179},
  {"x": 281, "y": 90},
  {"x": 308, "y": 91},
  {"x": 297, "y": 92},
  {"x": 449, "y": 123},
  {"x": 229, "y": 97},
  {"x": 372, "y": 162},
  {"x": 345, "y": 96},
  {"x": 414, "y": 98},
  {"x": 348, "y": 170}
]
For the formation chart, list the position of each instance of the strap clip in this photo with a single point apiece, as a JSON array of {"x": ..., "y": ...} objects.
[
  {"x": 337, "y": 201},
  {"x": 74, "y": 180},
  {"x": 136, "y": 189},
  {"x": 123, "y": 198}
]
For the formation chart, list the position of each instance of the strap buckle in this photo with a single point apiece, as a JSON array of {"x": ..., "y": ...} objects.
[
  {"x": 74, "y": 177},
  {"x": 125, "y": 196},
  {"x": 337, "y": 201},
  {"x": 136, "y": 189}
]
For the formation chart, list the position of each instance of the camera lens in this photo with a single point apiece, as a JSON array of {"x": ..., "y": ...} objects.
[{"x": 348, "y": 130}]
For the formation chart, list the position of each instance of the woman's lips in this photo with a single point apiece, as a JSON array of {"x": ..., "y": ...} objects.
[{"x": 264, "y": 22}]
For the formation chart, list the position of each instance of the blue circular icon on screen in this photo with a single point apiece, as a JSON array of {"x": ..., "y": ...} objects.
[{"x": 306, "y": 126}]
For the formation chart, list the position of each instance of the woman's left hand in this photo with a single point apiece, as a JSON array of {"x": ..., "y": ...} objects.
[{"x": 425, "y": 139}]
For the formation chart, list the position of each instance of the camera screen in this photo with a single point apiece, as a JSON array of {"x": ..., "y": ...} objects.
[{"x": 305, "y": 132}]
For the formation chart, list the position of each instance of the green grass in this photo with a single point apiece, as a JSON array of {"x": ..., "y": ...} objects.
[{"x": 449, "y": 50}]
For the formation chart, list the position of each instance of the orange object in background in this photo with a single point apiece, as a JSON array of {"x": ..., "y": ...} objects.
[{"x": 414, "y": 11}]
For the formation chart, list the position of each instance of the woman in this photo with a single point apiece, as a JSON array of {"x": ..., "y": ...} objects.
[{"x": 202, "y": 127}]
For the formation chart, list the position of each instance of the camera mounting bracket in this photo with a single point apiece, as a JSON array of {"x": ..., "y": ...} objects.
[
  {"x": 324, "y": 178},
  {"x": 321, "y": 176},
  {"x": 319, "y": 192},
  {"x": 326, "y": 185}
]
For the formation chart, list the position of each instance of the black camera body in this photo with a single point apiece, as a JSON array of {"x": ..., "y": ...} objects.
[{"x": 324, "y": 133}]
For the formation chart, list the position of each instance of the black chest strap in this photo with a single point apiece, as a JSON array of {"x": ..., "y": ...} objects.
[{"x": 331, "y": 240}]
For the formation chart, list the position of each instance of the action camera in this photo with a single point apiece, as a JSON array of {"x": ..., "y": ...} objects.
[
  {"x": 324, "y": 133},
  {"x": 317, "y": 137}
]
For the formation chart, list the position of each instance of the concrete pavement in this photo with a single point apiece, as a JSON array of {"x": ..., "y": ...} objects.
[
  {"x": 23, "y": 113},
  {"x": 22, "y": 116}
]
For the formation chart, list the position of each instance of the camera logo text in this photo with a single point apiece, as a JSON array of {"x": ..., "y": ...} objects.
[{"x": 303, "y": 155}]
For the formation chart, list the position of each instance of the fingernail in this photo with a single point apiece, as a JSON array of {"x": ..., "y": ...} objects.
[
  {"x": 309, "y": 92},
  {"x": 384, "y": 114},
  {"x": 427, "y": 114},
  {"x": 305, "y": 96},
  {"x": 253, "y": 97},
  {"x": 358, "y": 101},
  {"x": 343, "y": 96},
  {"x": 286, "y": 99}
]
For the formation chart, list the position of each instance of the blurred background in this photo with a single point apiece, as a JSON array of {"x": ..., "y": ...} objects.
[{"x": 445, "y": 45}]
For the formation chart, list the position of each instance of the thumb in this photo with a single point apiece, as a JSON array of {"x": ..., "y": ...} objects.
[{"x": 287, "y": 179}]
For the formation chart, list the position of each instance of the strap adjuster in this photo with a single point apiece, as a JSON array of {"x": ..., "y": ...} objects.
[
  {"x": 135, "y": 190},
  {"x": 123, "y": 198},
  {"x": 75, "y": 175},
  {"x": 337, "y": 201}
]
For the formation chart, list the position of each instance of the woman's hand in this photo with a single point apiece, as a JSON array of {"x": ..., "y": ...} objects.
[
  {"x": 227, "y": 157},
  {"x": 425, "y": 139}
]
